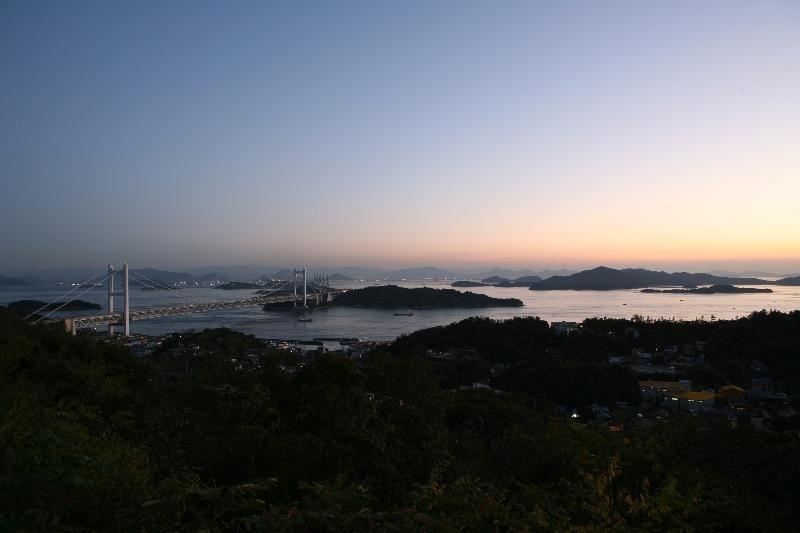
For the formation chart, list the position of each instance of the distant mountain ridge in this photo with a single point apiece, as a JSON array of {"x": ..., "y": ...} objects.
[
  {"x": 605, "y": 278},
  {"x": 522, "y": 281},
  {"x": 14, "y": 282},
  {"x": 165, "y": 276},
  {"x": 600, "y": 278}
]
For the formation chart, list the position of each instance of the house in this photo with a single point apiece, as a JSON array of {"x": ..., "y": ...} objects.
[
  {"x": 658, "y": 390},
  {"x": 761, "y": 385},
  {"x": 564, "y": 328},
  {"x": 731, "y": 392},
  {"x": 696, "y": 400},
  {"x": 762, "y": 391},
  {"x": 641, "y": 355},
  {"x": 600, "y": 412},
  {"x": 631, "y": 332}
]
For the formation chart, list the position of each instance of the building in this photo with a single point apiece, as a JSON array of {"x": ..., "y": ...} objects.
[
  {"x": 564, "y": 328},
  {"x": 696, "y": 400},
  {"x": 641, "y": 355},
  {"x": 658, "y": 390},
  {"x": 700, "y": 346},
  {"x": 632, "y": 332},
  {"x": 731, "y": 392},
  {"x": 761, "y": 385}
]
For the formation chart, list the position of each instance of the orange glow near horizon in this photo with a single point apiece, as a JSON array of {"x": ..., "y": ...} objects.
[{"x": 624, "y": 134}]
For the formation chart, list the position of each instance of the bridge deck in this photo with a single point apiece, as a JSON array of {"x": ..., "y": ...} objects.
[{"x": 158, "y": 312}]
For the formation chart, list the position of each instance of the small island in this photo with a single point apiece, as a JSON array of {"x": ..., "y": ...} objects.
[
  {"x": 31, "y": 306},
  {"x": 14, "y": 282},
  {"x": 713, "y": 289},
  {"x": 236, "y": 285},
  {"x": 515, "y": 283},
  {"x": 467, "y": 283},
  {"x": 389, "y": 296},
  {"x": 493, "y": 280},
  {"x": 609, "y": 279}
]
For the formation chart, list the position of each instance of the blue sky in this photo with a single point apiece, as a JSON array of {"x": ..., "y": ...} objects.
[{"x": 176, "y": 134}]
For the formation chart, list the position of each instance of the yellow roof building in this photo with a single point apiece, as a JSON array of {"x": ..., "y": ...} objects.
[
  {"x": 696, "y": 396},
  {"x": 664, "y": 386},
  {"x": 731, "y": 391}
]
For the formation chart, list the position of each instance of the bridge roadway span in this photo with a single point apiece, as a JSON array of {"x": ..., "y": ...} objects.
[{"x": 88, "y": 321}]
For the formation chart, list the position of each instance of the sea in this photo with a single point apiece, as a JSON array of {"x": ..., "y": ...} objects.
[{"x": 383, "y": 325}]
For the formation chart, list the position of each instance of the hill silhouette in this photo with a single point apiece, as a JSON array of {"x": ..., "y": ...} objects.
[
  {"x": 421, "y": 298},
  {"x": 604, "y": 278}
]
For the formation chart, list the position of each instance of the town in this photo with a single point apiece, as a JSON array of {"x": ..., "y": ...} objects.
[{"x": 663, "y": 372}]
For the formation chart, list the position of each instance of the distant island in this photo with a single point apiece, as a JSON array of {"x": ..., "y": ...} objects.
[
  {"x": 516, "y": 283},
  {"x": 604, "y": 279},
  {"x": 467, "y": 283},
  {"x": 235, "y": 285},
  {"x": 30, "y": 306},
  {"x": 793, "y": 281},
  {"x": 13, "y": 282},
  {"x": 388, "y": 296},
  {"x": 493, "y": 280},
  {"x": 527, "y": 279},
  {"x": 713, "y": 289},
  {"x": 497, "y": 281}
]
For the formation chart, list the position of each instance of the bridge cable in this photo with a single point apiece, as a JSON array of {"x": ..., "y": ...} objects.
[
  {"x": 156, "y": 286},
  {"x": 73, "y": 289},
  {"x": 153, "y": 284},
  {"x": 70, "y": 301},
  {"x": 162, "y": 286}
]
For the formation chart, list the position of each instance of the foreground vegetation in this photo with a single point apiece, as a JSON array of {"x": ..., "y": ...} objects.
[{"x": 93, "y": 438}]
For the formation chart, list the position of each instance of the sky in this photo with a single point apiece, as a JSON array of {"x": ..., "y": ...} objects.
[{"x": 562, "y": 134}]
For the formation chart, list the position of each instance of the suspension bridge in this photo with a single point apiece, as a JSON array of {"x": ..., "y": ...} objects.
[{"x": 321, "y": 294}]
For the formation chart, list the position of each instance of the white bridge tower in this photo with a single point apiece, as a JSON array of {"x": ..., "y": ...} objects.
[
  {"x": 295, "y": 272},
  {"x": 126, "y": 323}
]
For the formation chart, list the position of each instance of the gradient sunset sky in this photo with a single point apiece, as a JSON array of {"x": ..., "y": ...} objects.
[{"x": 177, "y": 134}]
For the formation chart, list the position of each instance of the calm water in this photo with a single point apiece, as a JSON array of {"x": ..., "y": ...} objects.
[{"x": 374, "y": 324}]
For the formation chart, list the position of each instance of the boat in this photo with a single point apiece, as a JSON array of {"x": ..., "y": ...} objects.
[
  {"x": 404, "y": 314},
  {"x": 305, "y": 320}
]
